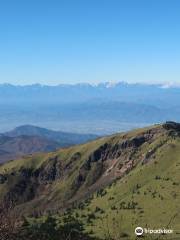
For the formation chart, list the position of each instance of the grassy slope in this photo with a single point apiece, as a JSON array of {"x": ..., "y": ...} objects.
[
  {"x": 157, "y": 194},
  {"x": 65, "y": 153},
  {"x": 158, "y": 200},
  {"x": 59, "y": 188}
]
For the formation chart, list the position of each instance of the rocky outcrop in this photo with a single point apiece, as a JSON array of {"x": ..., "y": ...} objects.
[
  {"x": 110, "y": 161},
  {"x": 134, "y": 142},
  {"x": 3, "y": 179},
  {"x": 49, "y": 171},
  {"x": 172, "y": 126},
  {"x": 81, "y": 170}
]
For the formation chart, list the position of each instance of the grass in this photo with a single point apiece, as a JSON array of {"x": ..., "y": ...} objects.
[
  {"x": 148, "y": 196},
  {"x": 157, "y": 197}
]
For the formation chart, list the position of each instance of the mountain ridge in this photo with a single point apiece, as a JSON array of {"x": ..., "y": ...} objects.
[
  {"x": 102, "y": 163},
  {"x": 112, "y": 184},
  {"x": 101, "y": 109},
  {"x": 30, "y": 139},
  {"x": 64, "y": 138},
  {"x": 66, "y": 93}
]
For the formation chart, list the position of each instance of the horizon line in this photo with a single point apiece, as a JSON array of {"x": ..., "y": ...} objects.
[{"x": 96, "y": 84}]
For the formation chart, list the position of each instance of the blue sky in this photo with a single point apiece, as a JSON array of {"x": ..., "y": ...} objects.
[{"x": 69, "y": 41}]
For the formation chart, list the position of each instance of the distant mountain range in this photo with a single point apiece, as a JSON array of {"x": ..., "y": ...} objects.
[
  {"x": 29, "y": 139},
  {"x": 83, "y": 108},
  {"x": 15, "y": 147},
  {"x": 64, "y": 139},
  {"x": 160, "y": 95}
]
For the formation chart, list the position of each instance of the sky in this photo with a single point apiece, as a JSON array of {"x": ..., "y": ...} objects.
[{"x": 70, "y": 41}]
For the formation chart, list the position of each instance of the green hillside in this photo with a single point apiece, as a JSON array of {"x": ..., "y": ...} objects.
[
  {"x": 111, "y": 185},
  {"x": 149, "y": 197}
]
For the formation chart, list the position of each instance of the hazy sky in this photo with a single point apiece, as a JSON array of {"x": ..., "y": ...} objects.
[{"x": 69, "y": 41}]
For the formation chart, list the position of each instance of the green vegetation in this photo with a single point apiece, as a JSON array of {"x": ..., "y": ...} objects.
[
  {"x": 51, "y": 229},
  {"x": 148, "y": 197},
  {"x": 107, "y": 187}
]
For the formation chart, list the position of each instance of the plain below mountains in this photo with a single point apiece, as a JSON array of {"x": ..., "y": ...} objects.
[
  {"x": 102, "y": 109},
  {"x": 29, "y": 139}
]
